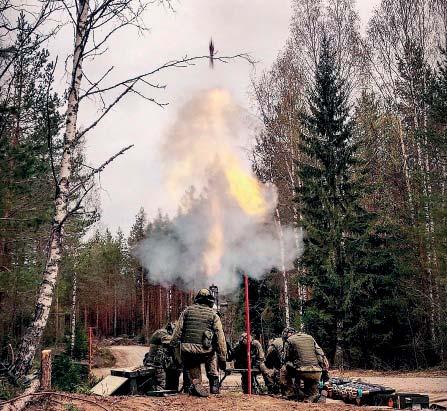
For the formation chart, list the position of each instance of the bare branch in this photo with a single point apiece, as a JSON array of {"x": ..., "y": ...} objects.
[
  {"x": 95, "y": 123},
  {"x": 181, "y": 63},
  {"x": 99, "y": 169}
]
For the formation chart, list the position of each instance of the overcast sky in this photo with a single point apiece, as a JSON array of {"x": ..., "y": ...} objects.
[{"x": 258, "y": 27}]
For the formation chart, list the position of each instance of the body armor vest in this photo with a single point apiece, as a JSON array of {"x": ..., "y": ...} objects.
[
  {"x": 302, "y": 349},
  {"x": 198, "y": 325}
]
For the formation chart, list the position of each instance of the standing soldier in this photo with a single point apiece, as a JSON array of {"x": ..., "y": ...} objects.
[
  {"x": 198, "y": 339},
  {"x": 304, "y": 361},
  {"x": 239, "y": 355},
  {"x": 273, "y": 363},
  {"x": 161, "y": 357}
]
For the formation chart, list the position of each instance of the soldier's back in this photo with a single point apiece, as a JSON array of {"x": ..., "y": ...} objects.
[
  {"x": 274, "y": 353},
  {"x": 302, "y": 352}
]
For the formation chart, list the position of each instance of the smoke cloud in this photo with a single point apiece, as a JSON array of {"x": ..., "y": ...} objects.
[{"x": 225, "y": 224}]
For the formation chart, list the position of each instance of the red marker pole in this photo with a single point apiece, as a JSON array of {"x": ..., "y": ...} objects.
[{"x": 247, "y": 328}]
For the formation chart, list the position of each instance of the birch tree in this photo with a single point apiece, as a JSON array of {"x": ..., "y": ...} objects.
[
  {"x": 403, "y": 43},
  {"x": 94, "y": 23}
]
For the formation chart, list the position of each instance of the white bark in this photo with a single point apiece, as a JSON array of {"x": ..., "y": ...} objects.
[
  {"x": 23, "y": 400},
  {"x": 283, "y": 268},
  {"x": 115, "y": 312},
  {"x": 406, "y": 169},
  {"x": 73, "y": 313},
  {"x": 33, "y": 335}
]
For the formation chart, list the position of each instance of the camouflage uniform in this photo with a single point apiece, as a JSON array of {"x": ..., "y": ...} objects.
[
  {"x": 199, "y": 339},
  {"x": 304, "y": 361},
  {"x": 273, "y": 363},
  {"x": 239, "y": 355},
  {"x": 160, "y": 356}
]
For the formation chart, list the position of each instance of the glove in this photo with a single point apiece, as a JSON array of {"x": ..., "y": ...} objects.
[{"x": 222, "y": 364}]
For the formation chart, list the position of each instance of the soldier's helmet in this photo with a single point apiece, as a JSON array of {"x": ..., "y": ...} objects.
[
  {"x": 204, "y": 296},
  {"x": 170, "y": 327},
  {"x": 287, "y": 332}
]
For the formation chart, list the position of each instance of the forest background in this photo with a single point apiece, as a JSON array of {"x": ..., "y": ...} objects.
[{"x": 372, "y": 283}]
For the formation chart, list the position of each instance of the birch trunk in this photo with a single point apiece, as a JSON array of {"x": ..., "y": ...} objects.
[
  {"x": 406, "y": 168},
  {"x": 283, "y": 268},
  {"x": 424, "y": 169},
  {"x": 33, "y": 335},
  {"x": 115, "y": 312},
  {"x": 143, "y": 325},
  {"x": 73, "y": 314}
]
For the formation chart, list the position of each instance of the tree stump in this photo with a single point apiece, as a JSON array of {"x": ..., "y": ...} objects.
[{"x": 45, "y": 370}]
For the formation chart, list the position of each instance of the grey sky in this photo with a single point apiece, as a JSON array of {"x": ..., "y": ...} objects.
[{"x": 259, "y": 27}]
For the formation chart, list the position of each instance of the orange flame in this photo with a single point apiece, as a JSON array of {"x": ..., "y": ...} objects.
[
  {"x": 245, "y": 188},
  {"x": 205, "y": 142}
]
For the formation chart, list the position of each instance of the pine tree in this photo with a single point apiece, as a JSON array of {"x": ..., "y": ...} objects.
[
  {"x": 29, "y": 122},
  {"x": 349, "y": 271}
]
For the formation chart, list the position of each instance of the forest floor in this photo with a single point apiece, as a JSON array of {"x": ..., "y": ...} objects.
[{"x": 433, "y": 383}]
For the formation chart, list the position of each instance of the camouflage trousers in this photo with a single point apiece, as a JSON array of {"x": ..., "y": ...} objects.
[
  {"x": 166, "y": 379},
  {"x": 272, "y": 380},
  {"x": 192, "y": 372},
  {"x": 300, "y": 385}
]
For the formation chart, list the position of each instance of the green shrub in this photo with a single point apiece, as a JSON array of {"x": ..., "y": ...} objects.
[
  {"x": 68, "y": 375},
  {"x": 80, "y": 349}
]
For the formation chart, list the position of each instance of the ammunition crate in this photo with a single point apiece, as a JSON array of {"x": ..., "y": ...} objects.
[{"x": 402, "y": 401}]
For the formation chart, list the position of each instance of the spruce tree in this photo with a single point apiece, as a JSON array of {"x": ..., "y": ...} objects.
[{"x": 348, "y": 270}]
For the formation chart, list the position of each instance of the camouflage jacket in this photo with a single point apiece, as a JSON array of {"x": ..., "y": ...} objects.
[
  {"x": 303, "y": 353},
  {"x": 160, "y": 353},
  {"x": 239, "y": 354},
  {"x": 274, "y": 353},
  {"x": 199, "y": 331}
]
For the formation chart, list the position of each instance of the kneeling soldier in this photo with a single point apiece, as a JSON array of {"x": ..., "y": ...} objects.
[
  {"x": 304, "y": 361},
  {"x": 239, "y": 355},
  {"x": 273, "y": 363},
  {"x": 161, "y": 357}
]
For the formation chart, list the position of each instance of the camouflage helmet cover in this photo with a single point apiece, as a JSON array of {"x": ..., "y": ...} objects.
[
  {"x": 287, "y": 332},
  {"x": 170, "y": 327},
  {"x": 204, "y": 296}
]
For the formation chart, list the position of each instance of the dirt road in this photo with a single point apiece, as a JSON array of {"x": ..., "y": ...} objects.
[{"x": 129, "y": 356}]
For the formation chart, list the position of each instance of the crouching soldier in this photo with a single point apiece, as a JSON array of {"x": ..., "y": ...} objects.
[
  {"x": 198, "y": 339},
  {"x": 303, "y": 362},
  {"x": 239, "y": 355},
  {"x": 273, "y": 358},
  {"x": 161, "y": 357}
]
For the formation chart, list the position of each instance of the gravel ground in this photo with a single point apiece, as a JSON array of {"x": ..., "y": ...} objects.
[{"x": 433, "y": 383}]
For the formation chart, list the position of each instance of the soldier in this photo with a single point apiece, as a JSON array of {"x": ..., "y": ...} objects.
[
  {"x": 273, "y": 363},
  {"x": 161, "y": 357},
  {"x": 198, "y": 339},
  {"x": 304, "y": 361},
  {"x": 239, "y": 355}
]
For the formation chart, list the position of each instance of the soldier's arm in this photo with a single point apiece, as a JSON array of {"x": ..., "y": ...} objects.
[
  {"x": 286, "y": 353},
  {"x": 221, "y": 348},
  {"x": 166, "y": 339},
  {"x": 234, "y": 352},
  {"x": 322, "y": 360},
  {"x": 261, "y": 354},
  {"x": 175, "y": 339}
]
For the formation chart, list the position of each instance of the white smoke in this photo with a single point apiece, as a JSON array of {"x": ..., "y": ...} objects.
[{"x": 212, "y": 225}]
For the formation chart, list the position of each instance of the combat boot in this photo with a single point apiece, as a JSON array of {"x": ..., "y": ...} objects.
[
  {"x": 214, "y": 385},
  {"x": 198, "y": 390}
]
